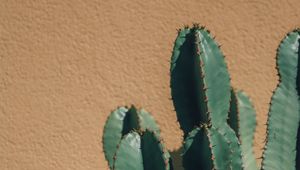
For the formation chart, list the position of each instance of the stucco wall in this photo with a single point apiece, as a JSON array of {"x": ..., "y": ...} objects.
[{"x": 64, "y": 65}]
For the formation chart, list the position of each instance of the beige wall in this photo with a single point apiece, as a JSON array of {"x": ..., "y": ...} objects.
[{"x": 64, "y": 65}]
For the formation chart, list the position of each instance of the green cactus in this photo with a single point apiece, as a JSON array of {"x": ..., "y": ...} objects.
[
  {"x": 298, "y": 150},
  {"x": 200, "y": 88},
  {"x": 298, "y": 133},
  {"x": 242, "y": 120},
  {"x": 283, "y": 121},
  {"x": 218, "y": 123},
  {"x": 130, "y": 137},
  {"x": 199, "y": 79}
]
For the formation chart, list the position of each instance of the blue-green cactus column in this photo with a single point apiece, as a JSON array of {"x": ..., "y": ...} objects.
[
  {"x": 200, "y": 88},
  {"x": 284, "y": 115}
]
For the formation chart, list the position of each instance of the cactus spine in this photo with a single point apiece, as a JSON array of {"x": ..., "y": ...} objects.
[
  {"x": 283, "y": 122},
  {"x": 131, "y": 141},
  {"x": 200, "y": 87}
]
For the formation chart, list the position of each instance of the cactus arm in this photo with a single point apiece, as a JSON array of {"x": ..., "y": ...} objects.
[
  {"x": 155, "y": 155},
  {"x": 129, "y": 154},
  {"x": 113, "y": 133},
  {"x": 242, "y": 120},
  {"x": 217, "y": 94},
  {"x": 147, "y": 121},
  {"x": 283, "y": 121},
  {"x": 200, "y": 83},
  {"x": 119, "y": 123},
  {"x": 183, "y": 81},
  {"x": 247, "y": 125},
  {"x": 215, "y": 77}
]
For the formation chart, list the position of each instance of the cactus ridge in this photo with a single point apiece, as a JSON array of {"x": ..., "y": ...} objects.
[
  {"x": 242, "y": 120},
  {"x": 141, "y": 151},
  {"x": 183, "y": 78},
  {"x": 122, "y": 121},
  {"x": 233, "y": 115},
  {"x": 283, "y": 121},
  {"x": 199, "y": 80},
  {"x": 215, "y": 78},
  {"x": 235, "y": 153}
]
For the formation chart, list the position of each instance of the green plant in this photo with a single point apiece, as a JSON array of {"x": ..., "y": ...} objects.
[
  {"x": 131, "y": 141},
  {"x": 283, "y": 121},
  {"x": 201, "y": 93},
  {"x": 218, "y": 122}
]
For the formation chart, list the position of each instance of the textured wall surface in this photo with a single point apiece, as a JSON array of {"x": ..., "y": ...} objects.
[{"x": 64, "y": 65}]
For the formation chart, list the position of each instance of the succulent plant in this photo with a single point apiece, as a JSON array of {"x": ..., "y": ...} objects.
[
  {"x": 283, "y": 122},
  {"x": 218, "y": 122},
  {"x": 201, "y": 92},
  {"x": 131, "y": 141}
]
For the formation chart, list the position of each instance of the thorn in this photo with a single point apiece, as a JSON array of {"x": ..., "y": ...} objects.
[
  {"x": 209, "y": 125},
  {"x": 201, "y": 63},
  {"x": 195, "y": 25}
]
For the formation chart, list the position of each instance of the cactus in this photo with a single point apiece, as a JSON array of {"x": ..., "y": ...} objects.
[
  {"x": 199, "y": 79},
  {"x": 298, "y": 133},
  {"x": 131, "y": 141},
  {"x": 242, "y": 121},
  {"x": 218, "y": 123},
  {"x": 283, "y": 121},
  {"x": 298, "y": 150},
  {"x": 200, "y": 88}
]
